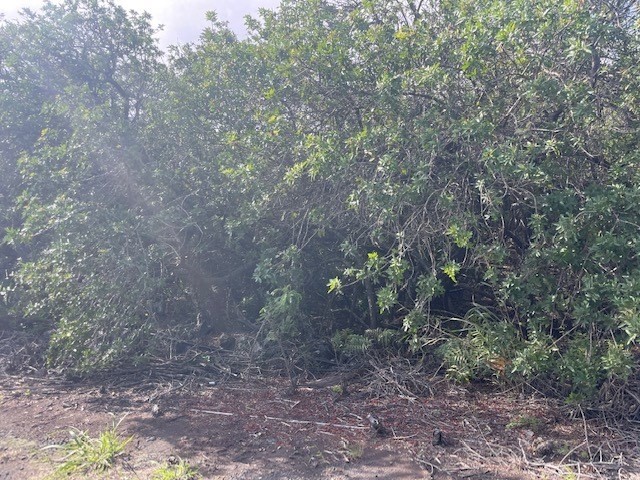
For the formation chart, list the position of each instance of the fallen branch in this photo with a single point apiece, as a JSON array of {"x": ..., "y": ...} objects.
[
  {"x": 310, "y": 422},
  {"x": 284, "y": 420},
  {"x": 212, "y": 412}
]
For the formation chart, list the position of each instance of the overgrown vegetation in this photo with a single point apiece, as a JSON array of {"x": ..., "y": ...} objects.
[{"x": 460, "y": 177}]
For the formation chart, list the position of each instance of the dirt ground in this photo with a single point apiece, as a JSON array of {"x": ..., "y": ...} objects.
[{"x": 260, "y": 429}]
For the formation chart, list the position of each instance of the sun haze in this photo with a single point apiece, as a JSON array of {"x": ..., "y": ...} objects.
[{"x": 182, "y": 21}]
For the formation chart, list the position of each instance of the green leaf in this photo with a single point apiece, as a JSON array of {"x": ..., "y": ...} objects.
[
  {"x": 334, "y": 285},
  {"x": 451, "y": 270}
]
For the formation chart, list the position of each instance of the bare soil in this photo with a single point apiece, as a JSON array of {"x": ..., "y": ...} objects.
[{"x": 261, "y": 429}]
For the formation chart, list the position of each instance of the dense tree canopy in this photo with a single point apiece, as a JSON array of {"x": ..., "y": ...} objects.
[{"x": 460, "y": 176}]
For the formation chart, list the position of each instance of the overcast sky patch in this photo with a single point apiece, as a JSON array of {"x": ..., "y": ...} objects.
[{"x": 183, "y": 20}]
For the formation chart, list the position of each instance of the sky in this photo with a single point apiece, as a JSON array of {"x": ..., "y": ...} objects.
[{"x": 183, "y": 20}]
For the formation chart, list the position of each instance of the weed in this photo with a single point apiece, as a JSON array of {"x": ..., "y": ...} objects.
[
  {"x": 175, "y": 471},
  {"x": 84, "y": 454},
  {"x": 353, "y": 451},
  {"x": 525, "y": 421},
  {"x": 337, "y": 389}
]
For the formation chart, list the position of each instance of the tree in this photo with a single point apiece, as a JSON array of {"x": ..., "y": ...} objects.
[
  {"x": 79, "y": 73},
  {"x": 457, "y": 173}
]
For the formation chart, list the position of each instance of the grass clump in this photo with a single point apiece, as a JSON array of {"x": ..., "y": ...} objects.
[
  {"x": 85, "y": 454},
  {"x": 176, "y": 470},
  {"x": 526, "y": 421}
]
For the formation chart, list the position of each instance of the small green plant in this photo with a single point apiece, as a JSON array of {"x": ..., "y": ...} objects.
[
  {"x": 180, "y": 470},
  {"x": 525, "y": 421},
  {"x": 352, "y": 451},
  {"x": 337, "y": 389},
  {"x": 84, "y": 454},
  {"x": 350, "y": 343}
]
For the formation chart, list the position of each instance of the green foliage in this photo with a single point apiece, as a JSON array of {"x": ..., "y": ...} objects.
[
  {"x": 413, "y": 325},
  {"x": 487, "y": 349},
  {"x": 387, "y": 298},
  {"x": 464, "y": 173},
  {"x": 536, "y": 358},
  {"x": 346, "y": 342},
  {"x": 178, "y": 471},
  {"x": 461, "y": 237},
  {"x": 334, "y": 285},
  {"x": 579, "y": 365},
  {"x": 451, "y": 270},
  {"x": 282, "y": 312},
  {"x": 617, "y": 361},
  {"x": 461, "y": 363},
  {"x": 349, "y": 343},
  {"x": 84, "y": 454},
  {"x": 526, "y": 421},
  {"x": 428, "y": 287}
]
